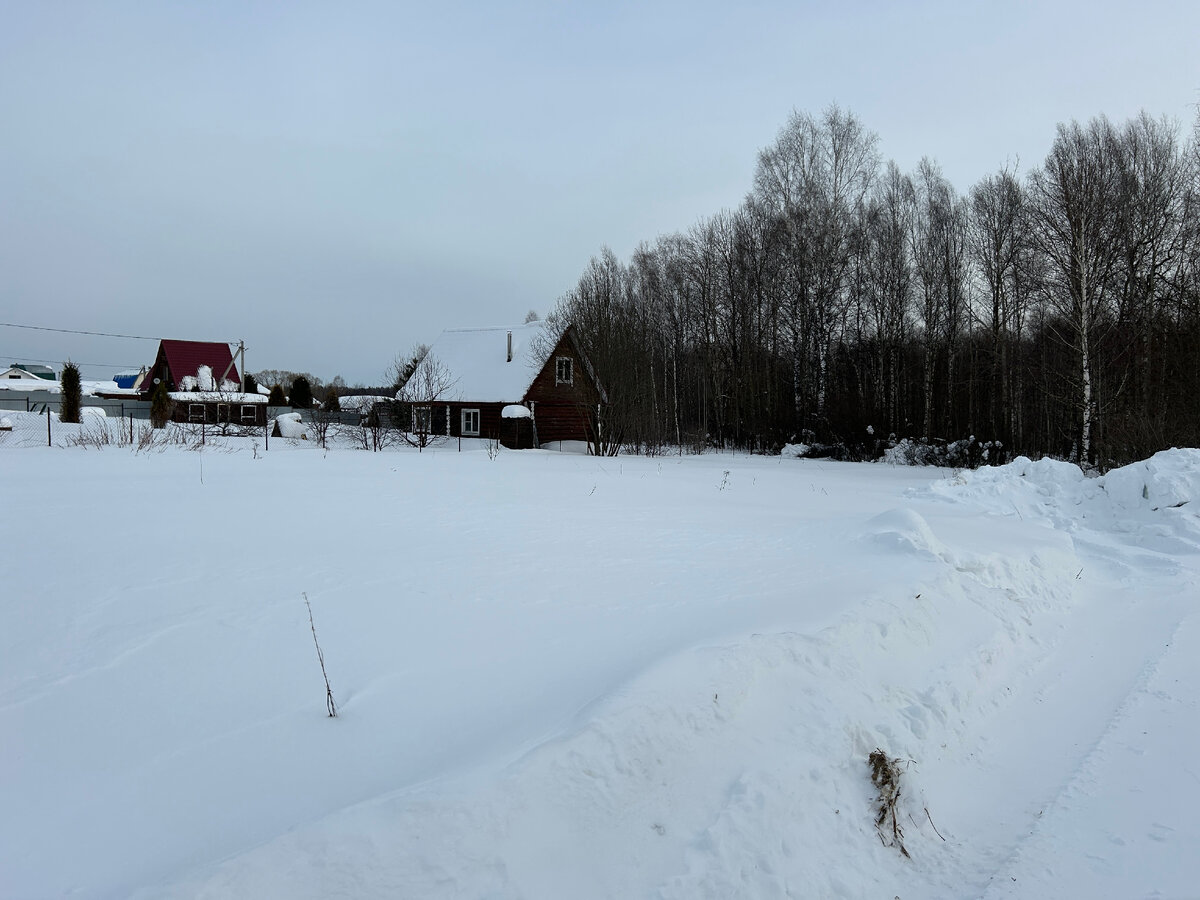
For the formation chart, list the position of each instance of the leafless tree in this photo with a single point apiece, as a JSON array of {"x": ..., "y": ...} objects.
[
  {"x": 1000, "y": 245},
  {"x": 429, "y": 382},
  {"x": 1074, "y": 197},
  {"x": 815, "y": 175},
  {"x": 404, "y": 364}
]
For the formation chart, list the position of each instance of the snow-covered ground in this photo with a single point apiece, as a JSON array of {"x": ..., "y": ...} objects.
[{"x": 562, "y": 676}]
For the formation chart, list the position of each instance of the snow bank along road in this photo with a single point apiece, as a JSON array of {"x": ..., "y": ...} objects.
[{"x": 571, "y": 677}]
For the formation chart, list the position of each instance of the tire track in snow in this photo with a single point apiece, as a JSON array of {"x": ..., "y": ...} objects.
[{"x": 1132, "y": 843}]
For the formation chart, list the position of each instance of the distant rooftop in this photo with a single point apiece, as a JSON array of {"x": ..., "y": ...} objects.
[{"x": 37, "y": 369}]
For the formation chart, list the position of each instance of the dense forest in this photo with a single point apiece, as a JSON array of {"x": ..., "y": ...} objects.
[{"x": 851, "y": 304}]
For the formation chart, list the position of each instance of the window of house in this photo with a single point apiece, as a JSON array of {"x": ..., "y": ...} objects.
[
  {"x": 222, "y": 412},
  {"x": 421, "y": 417},
  {"x": 249, "y": 414},
  {"x": 470, "y": 422},
  {"x": 195, "y": 412},
  {"x": 563, "y": 370}
]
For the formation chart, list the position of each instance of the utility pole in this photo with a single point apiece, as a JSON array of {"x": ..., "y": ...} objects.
[{"x": 239, "y": 356}]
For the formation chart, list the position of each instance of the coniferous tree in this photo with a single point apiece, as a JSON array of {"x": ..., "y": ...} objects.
[
  {"x": 251, "y": 386},
  {"x": 160, "y": 406},
  {"x": 72, "y": 393},
  {"x": 277, "y": 397},
  {"x": 301, "y": 395}
]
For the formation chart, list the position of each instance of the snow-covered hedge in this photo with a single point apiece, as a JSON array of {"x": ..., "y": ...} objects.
[{"x": 964, "y": 454}]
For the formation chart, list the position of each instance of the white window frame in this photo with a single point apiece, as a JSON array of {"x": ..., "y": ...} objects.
[
  {"x": 422, "y": 419},
  {"x": 564, "y": 374},
  {"x": 468, "y": 431},
  {"x": 249, "y": 414},
  {"x": 223, "y": 412},
  {"x": 196, "y": 410}
]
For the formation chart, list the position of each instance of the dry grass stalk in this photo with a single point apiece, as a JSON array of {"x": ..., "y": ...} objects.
[{"x": 885, "y": 775}]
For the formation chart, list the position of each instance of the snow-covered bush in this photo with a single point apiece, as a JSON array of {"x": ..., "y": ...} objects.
[
  {"x": 963, "y": 454},
  {"x": 290, "y": 425}
]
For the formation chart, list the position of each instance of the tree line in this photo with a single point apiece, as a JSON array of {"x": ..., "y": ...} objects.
[{"x": 849, "y": 303}]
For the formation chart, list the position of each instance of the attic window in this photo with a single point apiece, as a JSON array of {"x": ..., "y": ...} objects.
[{"x": 564, "y": 370}]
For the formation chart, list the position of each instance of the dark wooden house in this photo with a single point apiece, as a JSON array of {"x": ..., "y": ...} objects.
[{"x": 520, "y": 385}]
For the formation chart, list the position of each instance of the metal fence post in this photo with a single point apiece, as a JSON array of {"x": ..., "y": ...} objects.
[
  {"x": 49, "y": 439},
  {"x": 267, "y": 434}
]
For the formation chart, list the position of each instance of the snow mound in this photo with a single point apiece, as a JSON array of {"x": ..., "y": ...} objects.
[
  {"x": 904, "y": 530},
  {"x": 92, "y": 412},
  {"x": 1050, "y": 488},
  {"x": 1170, "y": 478},
  {"x": 1045, "y": 491},
  {"x": 1147, "y": 505},
  {"x": 289, "y": 425}
]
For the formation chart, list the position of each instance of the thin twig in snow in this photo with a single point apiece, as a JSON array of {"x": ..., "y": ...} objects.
[{"x": 329, "y": 704}]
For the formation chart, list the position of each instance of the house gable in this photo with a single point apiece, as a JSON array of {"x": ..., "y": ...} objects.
[
  {"x": 178, "y": 359},
  {"x": 579, "y": 386},
  {"x": 18, "y": 373}
]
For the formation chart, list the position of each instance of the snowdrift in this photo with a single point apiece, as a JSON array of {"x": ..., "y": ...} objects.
[{"x": 568, "y": 676}]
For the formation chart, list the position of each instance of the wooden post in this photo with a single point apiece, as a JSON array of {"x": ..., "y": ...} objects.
[{"x": 49, "y": 440}]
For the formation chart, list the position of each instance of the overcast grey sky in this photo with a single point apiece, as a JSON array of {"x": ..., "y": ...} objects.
[{"x": 332, "y": 182}]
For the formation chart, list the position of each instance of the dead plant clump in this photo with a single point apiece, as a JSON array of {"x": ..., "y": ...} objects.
[{"x": 885, "y": 775}]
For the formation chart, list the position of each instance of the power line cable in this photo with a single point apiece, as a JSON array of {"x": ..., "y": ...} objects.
[
  {"x": 134, "y": 337},
  {"x": 78, "y": 362}
]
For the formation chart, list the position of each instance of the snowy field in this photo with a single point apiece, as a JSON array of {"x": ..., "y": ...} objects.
[{"x": 568, "y": 677}]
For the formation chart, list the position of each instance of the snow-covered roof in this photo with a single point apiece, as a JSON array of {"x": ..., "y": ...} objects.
[
  {"x": 360, "y": 402},
  {"x": 185, "y": 358},
  {"x": 476, "y": 366},
  {"x": 215, "y": 397},
  {"x": 16, "y": 373},
  {"x": 40, "y": 385},
  {"x": 516, "y": 411}
]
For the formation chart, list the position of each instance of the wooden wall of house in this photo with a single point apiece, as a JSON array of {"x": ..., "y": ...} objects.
[
  {"x": 564, "y": 412},
  {"x": 564, "y": 422},
  {"x": 218, "y": 413},
  {"x": 545, "y": 388}
]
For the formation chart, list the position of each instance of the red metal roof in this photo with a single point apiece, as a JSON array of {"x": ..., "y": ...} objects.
[{"x": 186, "y": 357}]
